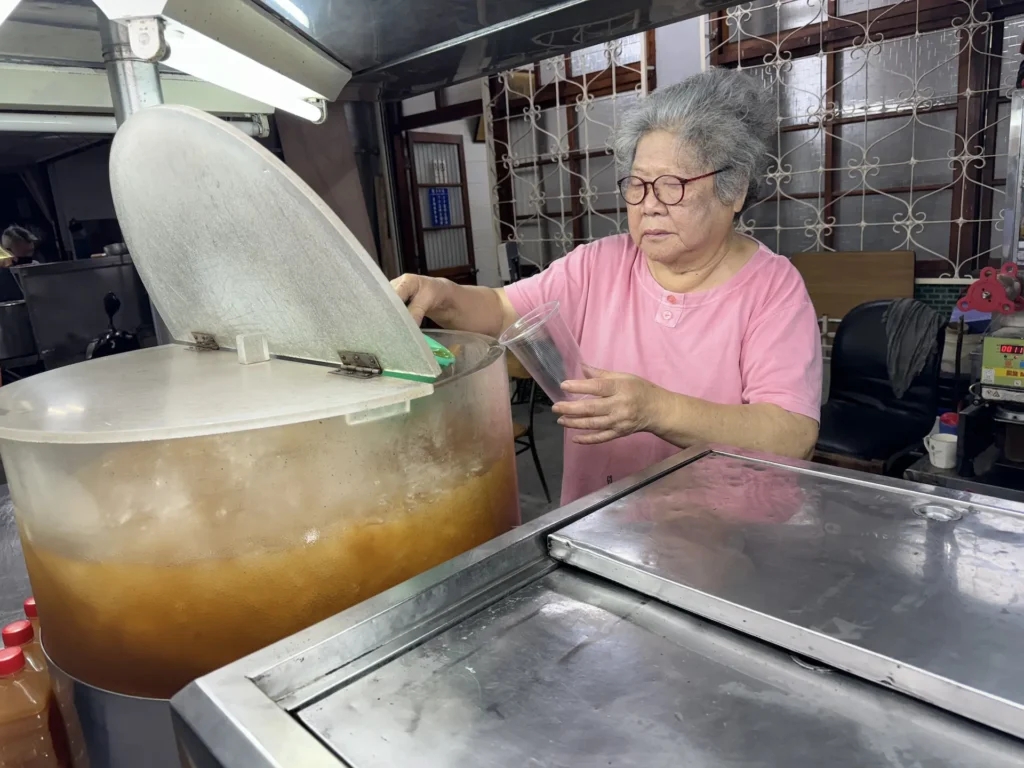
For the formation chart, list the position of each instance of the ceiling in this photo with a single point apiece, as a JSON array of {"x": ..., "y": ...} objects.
[
  {"x": 400, "y": 48},
  {"x": 60, "y": 32},
  {"x": 395, "y": 48}
]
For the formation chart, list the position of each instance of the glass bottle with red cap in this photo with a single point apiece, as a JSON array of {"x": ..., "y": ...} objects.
[
  {"x": 25, "y": 739},
  {"x": 20, "y": 633},
  {"x": 33, "y": 616}
]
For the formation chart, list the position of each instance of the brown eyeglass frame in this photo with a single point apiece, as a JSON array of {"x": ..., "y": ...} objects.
[{"x": 650, "y": 185}]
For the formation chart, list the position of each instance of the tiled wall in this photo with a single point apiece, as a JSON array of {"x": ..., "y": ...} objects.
[{"x": 941, "y": 297}]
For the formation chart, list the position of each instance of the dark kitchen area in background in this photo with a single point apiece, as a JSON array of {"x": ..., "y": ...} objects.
[
  {"x": 56, "y": 186},
  {"x": 53, "y": 313}
]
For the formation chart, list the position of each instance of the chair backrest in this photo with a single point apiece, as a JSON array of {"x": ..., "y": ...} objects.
[
  {"x": 859, "y": 373},
  {"x": 515, "y": 368},
  {"x": 512, "y": 257}
]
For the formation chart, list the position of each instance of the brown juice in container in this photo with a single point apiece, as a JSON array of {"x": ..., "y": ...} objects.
[{"x": 124, "y": 625}]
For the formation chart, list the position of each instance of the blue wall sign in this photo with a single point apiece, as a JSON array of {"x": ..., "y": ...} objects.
[{"x": 440, "y": 207}]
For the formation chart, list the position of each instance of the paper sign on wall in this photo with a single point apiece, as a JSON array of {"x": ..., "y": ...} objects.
[{"x": 440, "y": 207}]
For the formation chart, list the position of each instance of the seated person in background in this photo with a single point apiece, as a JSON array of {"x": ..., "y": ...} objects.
[
  {"x": 17, "y": 247},
  {"x": 20, "y": 243},
  {"x": 9, "y": 288}
]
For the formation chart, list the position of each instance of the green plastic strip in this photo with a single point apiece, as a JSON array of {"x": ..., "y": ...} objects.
[
  {"x": 442, "y": 354},
  {"x": 409, "y": 376}
]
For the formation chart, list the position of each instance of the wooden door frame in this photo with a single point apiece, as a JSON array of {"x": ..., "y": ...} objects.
[{"x": 411, "y": 195}]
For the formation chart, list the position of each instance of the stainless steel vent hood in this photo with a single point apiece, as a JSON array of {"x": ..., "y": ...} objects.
[
  {"x": 394, "y": 48},
  {"x": 399, "y": 48}
]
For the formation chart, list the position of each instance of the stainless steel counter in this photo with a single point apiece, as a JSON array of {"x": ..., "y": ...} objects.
[
  {"x": 512, "y": 655},
  {"x": 851, "y": 573},
  {"x": 573, "y": 671}
]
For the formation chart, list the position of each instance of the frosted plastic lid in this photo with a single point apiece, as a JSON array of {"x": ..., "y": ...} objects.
[
  {"x": 228, "y": 240},
  {"x": 171, "y": 391}
]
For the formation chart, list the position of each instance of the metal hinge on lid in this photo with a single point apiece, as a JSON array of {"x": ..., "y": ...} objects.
[
  {"x": 361, "y": 365},
  {"x": 204, "y": 342}
]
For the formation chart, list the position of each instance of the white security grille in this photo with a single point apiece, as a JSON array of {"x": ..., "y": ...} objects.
[
  {"x": 893, "y": 122},
  {"x": 549, "y": 132}
]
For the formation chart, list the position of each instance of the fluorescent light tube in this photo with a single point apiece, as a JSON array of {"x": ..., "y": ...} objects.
[
  {"x": 292, "y": 11},
  {"x": 200, "y": 56},
  {"x": 7, "y": 8}
]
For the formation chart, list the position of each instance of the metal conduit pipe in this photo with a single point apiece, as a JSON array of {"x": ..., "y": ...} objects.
[{"x": 255, "y": 125}]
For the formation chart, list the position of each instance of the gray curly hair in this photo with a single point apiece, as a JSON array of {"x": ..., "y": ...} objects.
[{"x": 723, "y": 116}]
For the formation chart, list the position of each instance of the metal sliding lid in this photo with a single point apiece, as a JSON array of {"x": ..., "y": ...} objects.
[
  {"x": 920, "y": 593},
  {"x": 229, "y": 241}
]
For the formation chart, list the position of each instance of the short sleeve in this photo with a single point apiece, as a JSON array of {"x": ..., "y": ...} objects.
[
  {"x": 781, "y": 355},
  {"x": 564, "y": 281}
]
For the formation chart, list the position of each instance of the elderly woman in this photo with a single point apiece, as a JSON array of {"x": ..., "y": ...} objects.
[{"x": 698, "y": 333}]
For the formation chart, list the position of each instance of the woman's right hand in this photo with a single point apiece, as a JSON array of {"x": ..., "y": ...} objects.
[{"x": 421, "y": 294}]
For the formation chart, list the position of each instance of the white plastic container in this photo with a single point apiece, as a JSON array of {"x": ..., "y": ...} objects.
[{"x": 179, "y": 510}]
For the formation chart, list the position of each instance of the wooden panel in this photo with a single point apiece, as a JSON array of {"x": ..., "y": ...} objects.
[{"x": 838, "y": 282}]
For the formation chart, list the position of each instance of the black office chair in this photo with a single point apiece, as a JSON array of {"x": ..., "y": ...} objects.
[{"x": 863, "y": 424}]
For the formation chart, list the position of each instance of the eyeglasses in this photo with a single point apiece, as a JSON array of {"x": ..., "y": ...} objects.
[{"x": 667, "y": 189}]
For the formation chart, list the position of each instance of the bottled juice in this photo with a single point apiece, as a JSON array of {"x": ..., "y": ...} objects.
[
  {"x": 20, "y": 634},
  {"x": 33, "y": 616},
  {"x": 25, "y": 740}
]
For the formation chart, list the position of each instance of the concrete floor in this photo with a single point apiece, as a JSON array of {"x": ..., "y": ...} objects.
[{"x": 532, "y": 503}]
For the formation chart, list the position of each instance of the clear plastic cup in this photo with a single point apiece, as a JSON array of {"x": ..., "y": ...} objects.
[{"x": 546, "y": 348}]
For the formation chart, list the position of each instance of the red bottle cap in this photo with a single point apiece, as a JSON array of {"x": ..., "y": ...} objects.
[
  {"x": 30, "y": 608},
  {"x": 11, "y": 660},
  {"x": 18, "y": 633}
]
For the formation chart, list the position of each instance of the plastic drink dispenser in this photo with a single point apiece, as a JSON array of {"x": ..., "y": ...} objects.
[{"x": 296, "y": 450}]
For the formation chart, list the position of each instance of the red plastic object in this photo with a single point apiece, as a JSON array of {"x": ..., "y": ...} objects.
[
  {"x": 11, "y": 660},
  {"x": 988, "y": 293},
  {"x": 30, "y": 608},
  {"x": 18, "y": 633},
  {"x": 950, "y": 419}
]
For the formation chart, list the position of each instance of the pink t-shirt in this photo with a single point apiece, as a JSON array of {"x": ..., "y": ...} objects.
[{"x": 754, "y": 339}]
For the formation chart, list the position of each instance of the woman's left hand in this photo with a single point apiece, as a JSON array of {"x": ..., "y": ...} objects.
[{"x": 621, "y": 404}]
